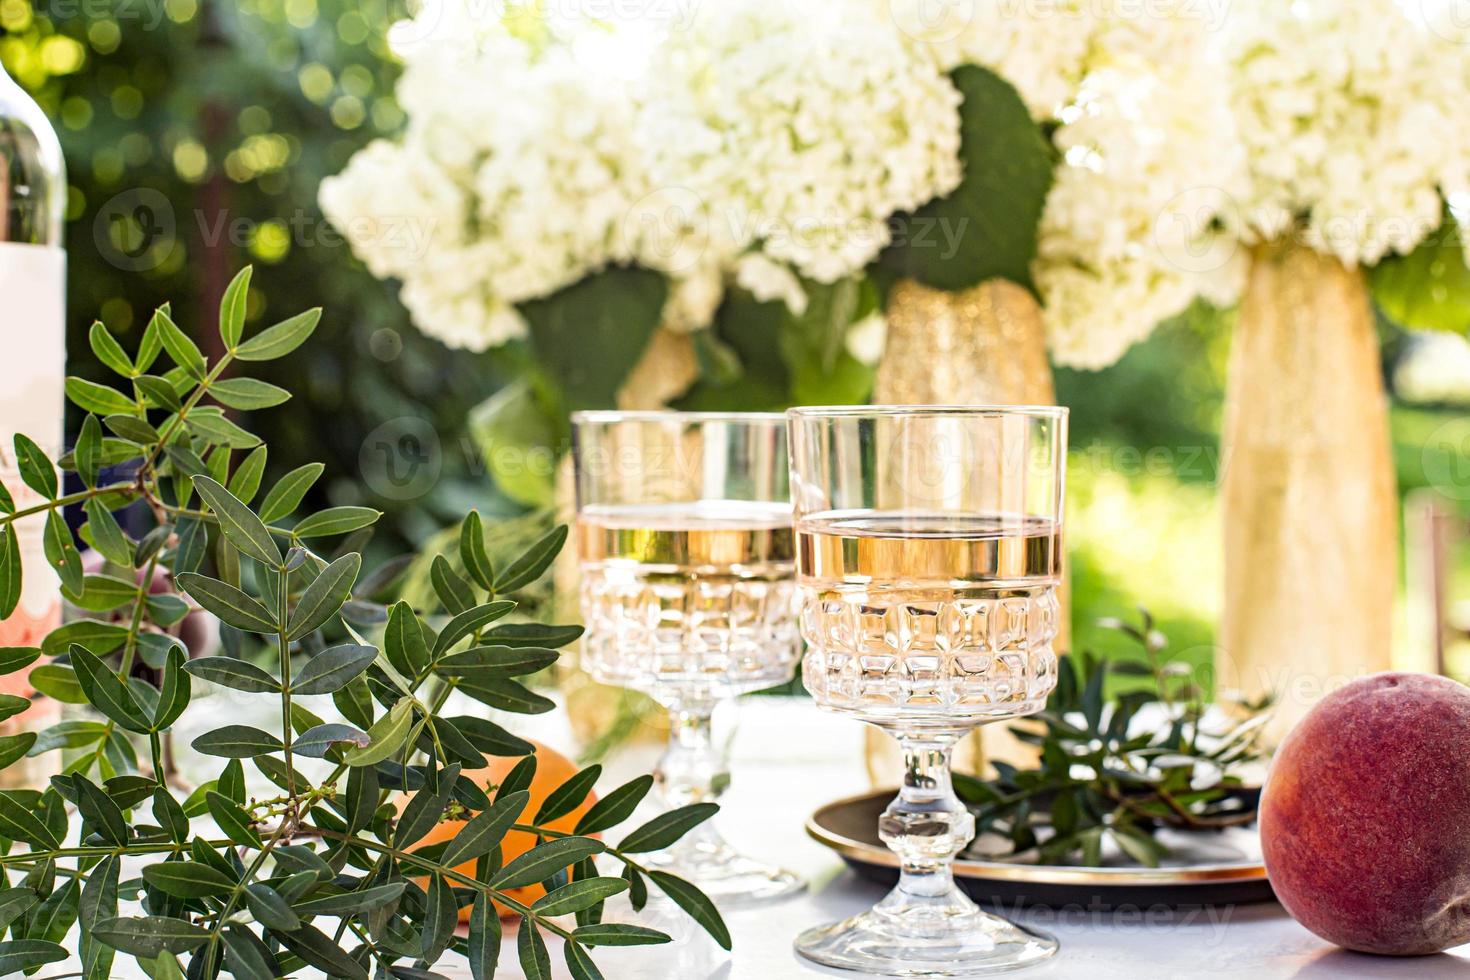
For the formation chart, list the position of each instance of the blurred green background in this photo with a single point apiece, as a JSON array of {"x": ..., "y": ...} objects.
[{"x": 197, "y": 133}]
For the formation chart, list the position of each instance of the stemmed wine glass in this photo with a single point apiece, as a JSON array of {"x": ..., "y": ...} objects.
[
  {"x": 929, "y": 551},
  {"x": 685, "y": 540}
]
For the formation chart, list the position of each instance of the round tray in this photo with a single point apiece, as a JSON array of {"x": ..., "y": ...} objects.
[{"x": 1205, "y": 868}]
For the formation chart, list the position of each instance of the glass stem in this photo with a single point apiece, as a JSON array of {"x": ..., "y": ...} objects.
[
  {"x": 692, "y": 769},
  {"x": 927, "y": 825}
]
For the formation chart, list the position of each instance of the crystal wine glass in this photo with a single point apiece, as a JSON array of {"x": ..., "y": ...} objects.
[
  {"x": 684, "y": 534},
  {"x": 929, "y": 551}
]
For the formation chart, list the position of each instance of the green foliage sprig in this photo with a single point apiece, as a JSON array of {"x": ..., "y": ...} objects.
[
  {"x": 328, "y": 874},
  {"x": 1103, "y": 775}
]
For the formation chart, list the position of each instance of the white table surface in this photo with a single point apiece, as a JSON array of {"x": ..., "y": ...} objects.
[{"x": 787, "y": 759}]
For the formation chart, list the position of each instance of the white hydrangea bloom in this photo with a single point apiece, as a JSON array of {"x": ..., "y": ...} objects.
[
  {"x": 799, "y": 129},
  {"x": 1149, "y": 158},
  {"x": 520, "y": 154},
  {"x": 867, "y": 338},
  {"x": 767, "y": 280},
  {"x": 1352, "y": 118}
]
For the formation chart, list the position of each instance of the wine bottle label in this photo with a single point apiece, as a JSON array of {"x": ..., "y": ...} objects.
[{"x": 32, "y": 395}]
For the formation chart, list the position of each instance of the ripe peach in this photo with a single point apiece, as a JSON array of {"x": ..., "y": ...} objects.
[{"x": 1365, "y": 817}]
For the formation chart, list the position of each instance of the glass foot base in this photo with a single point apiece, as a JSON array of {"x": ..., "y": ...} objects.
[
  {"x": 731, "y": 879},
  {"x": 947, "y": 939}
]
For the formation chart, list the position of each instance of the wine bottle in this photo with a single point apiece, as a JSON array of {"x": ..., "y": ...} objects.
[{"x": 32, "y": 323}]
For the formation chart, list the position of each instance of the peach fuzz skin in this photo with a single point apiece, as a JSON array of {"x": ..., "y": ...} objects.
[{"x": 1365, "y": 817}]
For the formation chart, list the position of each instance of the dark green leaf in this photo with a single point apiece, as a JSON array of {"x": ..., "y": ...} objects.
[
  {"x": 237, "y": 675},
  {"x": 269, "y": 908},
  {"x": 186, "y": 879},
  {"x": 170, "y": 815},
  {"x": 467, "y": 622},
  {"x": 173, "y": 694},
  {"x": 246, "y": 481},
  {"x": 9, "y": 572},
  {"x": 68, "y": 735},
  {"x": 107, "y": 536},
  {"x": 286, "y": 495},
  {"x": 351, "y": 902},
  {"x": 520, "y": 777},
  {"x": 54, "y": 917},
  {"x": 507, "y": 695},
  {"x": 242, "y": 527},
  {"x": 98, "y": 904},
  {"x": 12, "y": 705},
  {"x": 531, "y": 949},
  {"x": 490, "y": 738},
  {"x": 424, "y": 809},
  {"x": 568, "y": 796},
  {"x": 35, "y": 468},
  {"x": 246, "y": 956},
  {"x": 335, "y": 520},
  {"x": 579, "y": 963},
  {"x": 333, "y": 668},
  {"x": 440, "y": 918},
  {"x": 62, "y": 554},
  {"x": 159, "y": 393},
  {"x": 149, "y": 936},
  {"x": 453, "y": 591},
  {"x": 105, "y": 346},
  {"x": 183, "y": 350},
  {"x": 988, "y": 227},
  {"x": 485, "y": 830},
  {"x": 696, "y": 903},
  {"x": 99, "y": 637},
  {"x": 13, "y": 659},
  {"x": 210, "y": 424},
  {"x": 472, "y": 551},
  {"x": 544, "y": 860},
  {"x": 617, "y": 934},
  {"x": 106, "y": 693},
  {"x": 87, "y": 455},
  {"x": 536, "y": 559},
  {"x": 403, "y": 640},
  {"x": 232, "y": 820},
  {"x": 325, "y": 595},
  {"x": 484, "y": 939},
  {"x": 666, "y": 828},
  {"x": 281, "y": 339},
  {"x": 575, "y": 896},
  {"x": 99, "y": 811},
  {"x": 496, "y": 661},
  {"x": 615, "y": 807},
  {"x": 20, "y": 955},
  {"x": 89, "y": 396},
  {"x": 230, "y": 604},
  {"x": 318, "y": 950},
  {"x": 237, "y": 742},
  {"x": 15, "y": 747},
  {"x": 132, "y": 429}
]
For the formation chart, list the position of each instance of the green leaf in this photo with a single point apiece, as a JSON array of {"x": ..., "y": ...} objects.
[
  {"x": 170, "y": 815},
  {"x": 89, "y": 396},
  {"x": 183, "y": 879},
  {"x": 62, "y": 554},
  {"x": 666, "y": 828},
  {"x": 7, "y": 502},
  {"x": 36, "y": 469},
  {"x": 507, "y": 695},
  {"x": 269, "y": 908},
  {"x": 21, "y": 955},
  {"x": 424, "y": 810},
  {"x": 237, "y": 742},
  {"x": 210, "y": 424},
  {"x": 988, "y": 227},
  {"x": 441, "y": 916},
  {"x": 232, "y": 309},
  {"x": 568, "y": 796},
  {"x": 351, "y": 902},
  {"x": 107, "y": 350},
  {"x": 615, "y": 807},
  {"x": 453, "y": 591},
  {"x": 490, "y": 738},
  {"x": 158, "y": 392},
  {"x": 95, "y": 635},
  {"x": 281, "y": 339},
  {"x": 472, "y": 552},
  {"x": 58, "y": 681},
  {"x": 228, "y": 603},
  {"x": 484, "y": 939},
  {"x": 325, "y": 596},
  {"x": 1428, "y": 289},
  {"x": 288, "y": 492},
  {"x": 173, "y": 694},
  {"x": 51, "y": 921},
  {"x": 19, "y": 822},
  {"x": 243, "y": 528},
  {"x": 321, "y": 952},
  {"x": 403, "y": 640},
  {"x": 87, "y": 456},
  {"x": 544, "y": 860},
  {"x": 531, "y": 949},
  {"x": 99, "y": 811},
  {"x": 147, "y": 937},
  {"x": 98, "y": 903},
  {"x": 237, "y": 675},
  {"x": 106, "y": 693},
  {"x": 68, "y": 735},
  {"x": 520, "y": 777},
  {"x": 232, "y": 820},
  {"x": 694, "y": 902},
  {"x": 14, "y": 747},
  {"x": 10, "y": 572},
  {"x": 330, "y": 670},
  {"x": 387, "y": 734},
  {"x": 579, "y": 963},
  {"x": 485, "y": 830},
  {"x": 14, "y": 902},
  {"x": 107, "y": 536},
  {"x": 336, "y": 520},
  {"x": 132, "y": 429},
  {"x": 13, "y": 659},
  {"x": 467, "y": 622},
  {"x": 575, "y": 896},
  {"x": 618, "y": 934},
  {"x": 248, "y": 394},
  {"x": 499, "y": 661},
  {"x": 247, "y": 957},
  {"x": 184, "y": 351},
  {"x": 536, "y": 559},
  {"x": 246, "y": 481}
]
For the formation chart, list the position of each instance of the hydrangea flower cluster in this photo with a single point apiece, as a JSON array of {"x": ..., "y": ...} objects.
[{"x": 1350, "y": 116}]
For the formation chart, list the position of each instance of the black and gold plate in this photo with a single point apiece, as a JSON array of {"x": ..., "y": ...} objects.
[{"x": 1216, "y": 867}]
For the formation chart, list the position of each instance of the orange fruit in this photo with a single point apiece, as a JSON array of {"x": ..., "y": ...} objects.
[{"x": 552, "y": 769}]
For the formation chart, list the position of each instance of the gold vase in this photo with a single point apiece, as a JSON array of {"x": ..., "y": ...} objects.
[
  {"x": 1308, "y": 492},
  {"x": 982, "y": 346}
]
